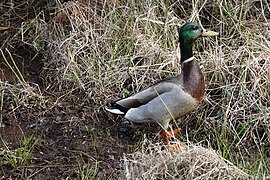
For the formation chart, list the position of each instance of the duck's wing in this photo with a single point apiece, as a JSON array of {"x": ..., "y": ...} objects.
[{"x": 143, "y": 97}]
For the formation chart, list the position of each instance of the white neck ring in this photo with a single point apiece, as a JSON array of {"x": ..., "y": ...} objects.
[{"x": 189, "y": 59}]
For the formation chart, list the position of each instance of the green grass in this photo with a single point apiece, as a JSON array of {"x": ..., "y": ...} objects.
[
  {"x": 87, "y": 170},
  {"x": 21, "y": 155}
]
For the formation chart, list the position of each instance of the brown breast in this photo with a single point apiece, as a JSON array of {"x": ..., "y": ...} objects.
[{"x": 193, "y": 80}]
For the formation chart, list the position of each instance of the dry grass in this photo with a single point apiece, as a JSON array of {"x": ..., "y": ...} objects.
[
  {"x": 112, "y": 49},
  {"x": 20, "y": 98},
  {"x": 194, "y": 162},
  {"x": 106, "y": 48}
]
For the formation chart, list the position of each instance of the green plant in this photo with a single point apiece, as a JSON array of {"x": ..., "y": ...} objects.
[
  {"x": 22, "y": 154},
  {"x": 87, "y": 170}
]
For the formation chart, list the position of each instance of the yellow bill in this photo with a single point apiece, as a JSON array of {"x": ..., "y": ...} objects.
[{"x": 209, "y": 33}]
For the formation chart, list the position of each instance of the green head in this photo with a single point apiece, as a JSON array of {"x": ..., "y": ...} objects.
[{"x": 188, "y": 33}]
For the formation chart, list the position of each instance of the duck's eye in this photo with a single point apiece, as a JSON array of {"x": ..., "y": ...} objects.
[{"x": 195, "y": 27}]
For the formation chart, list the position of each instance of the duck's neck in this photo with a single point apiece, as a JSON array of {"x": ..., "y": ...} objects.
[
  {"x": 186, "y": 51},
  {"x": 188, "y": 62},
  {"x": 191, "y": 74}
]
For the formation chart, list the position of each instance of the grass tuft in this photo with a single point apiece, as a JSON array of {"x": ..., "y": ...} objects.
[
  {"x": 194, "y": 162},
  {"x": 22, "y": 154}
]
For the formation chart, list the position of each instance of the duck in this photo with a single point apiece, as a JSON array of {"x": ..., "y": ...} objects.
[{"x": 170, "y": 98}]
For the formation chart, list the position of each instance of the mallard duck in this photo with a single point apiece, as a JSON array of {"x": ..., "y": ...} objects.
[{"x": 170, "y": 98}]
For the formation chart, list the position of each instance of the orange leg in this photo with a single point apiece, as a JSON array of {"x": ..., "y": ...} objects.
[
  {"x": 166, "y": 135},
  {"x": 172, "y": 146}
]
